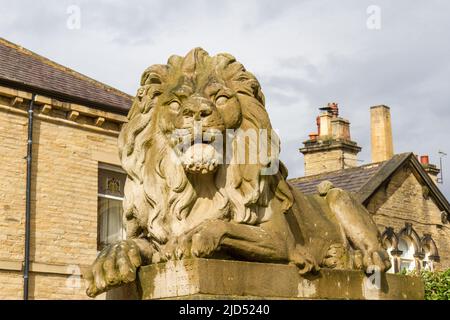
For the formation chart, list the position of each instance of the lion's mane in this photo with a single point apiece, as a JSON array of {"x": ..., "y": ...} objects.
[{"x": 158, "y": 187}]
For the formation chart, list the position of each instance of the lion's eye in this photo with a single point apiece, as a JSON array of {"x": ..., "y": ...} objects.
[
  {"x": 141, "y": 92},
  {"x": 221, "y": 100},
  {"x": 175, "y": 106}
]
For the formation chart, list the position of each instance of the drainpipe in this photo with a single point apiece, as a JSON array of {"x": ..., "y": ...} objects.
[{"x": 26, "y": 268}]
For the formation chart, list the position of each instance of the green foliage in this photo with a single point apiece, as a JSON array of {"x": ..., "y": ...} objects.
[{"x": 437, "y": 285}]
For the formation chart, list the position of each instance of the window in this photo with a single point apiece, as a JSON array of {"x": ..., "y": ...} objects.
[
  {"x": 407, "y": 260},
  {"x": 430, "y": 252},
  {"x": 110, "y": 228},
  {"x": 427, "y": 263},
  {"x": 390, "y": 241}
]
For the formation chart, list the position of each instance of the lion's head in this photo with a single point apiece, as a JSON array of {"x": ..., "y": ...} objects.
[{"x": 179, "y": 132}]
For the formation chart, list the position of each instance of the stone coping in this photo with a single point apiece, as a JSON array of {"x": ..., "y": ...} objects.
[{"x": 223, "y": 279}]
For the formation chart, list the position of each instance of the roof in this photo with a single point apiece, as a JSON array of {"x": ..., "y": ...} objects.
[
  {"x": 366, "y": 180},
  {"x": 351, "y": 179},
  {"x": 25, "y": 70}
]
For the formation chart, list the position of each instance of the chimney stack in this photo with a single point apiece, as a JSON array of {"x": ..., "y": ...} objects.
[
  {"x": 432, "y": 170},
  {"x": 331, "y": 148},
  {"x": 381, "y": 133}
]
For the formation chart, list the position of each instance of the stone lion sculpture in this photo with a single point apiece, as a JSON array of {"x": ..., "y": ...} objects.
[{"x": 199, "y": 201}]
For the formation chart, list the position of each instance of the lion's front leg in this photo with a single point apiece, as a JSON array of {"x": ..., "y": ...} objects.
[
  {"x": 250, "y": 242},
  {"x": 201, "y": 241},
  {"x": 209, "y": 238},
  {"x": 268, "y": 242}
]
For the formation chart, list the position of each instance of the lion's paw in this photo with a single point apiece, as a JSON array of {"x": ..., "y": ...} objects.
[
  {"x": 204, "y": 243},
  {"x": 303, "y": 261},
  {"x": 167, "y": 252},
  {"x": 178, "y": 249},
  {"x": 114, "y": 266},
  {"x": 376, "y": 260},
  {"x": 335, "y": 258}
]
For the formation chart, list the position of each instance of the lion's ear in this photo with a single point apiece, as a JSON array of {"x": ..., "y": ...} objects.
[
  {"x": 150, "y": 77},
  {"x": 154, "y": 75}
]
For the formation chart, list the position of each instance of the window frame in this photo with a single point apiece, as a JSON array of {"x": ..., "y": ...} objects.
[
  {"x": 116, "y": 169},
  {"x": 408, "y": 256}
]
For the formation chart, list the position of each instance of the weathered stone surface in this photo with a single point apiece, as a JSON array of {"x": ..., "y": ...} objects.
[
  {"x": 324, "y": 187},
  {"x": 183, "y": 201},
  {"x": 222, "y": 279},
  {"x": 402, "y": 201}
]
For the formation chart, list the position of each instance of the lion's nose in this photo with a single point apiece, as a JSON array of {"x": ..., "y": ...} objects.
[
  {"x": 204, "y": 111},
  {"x": 199, "y": 111}
]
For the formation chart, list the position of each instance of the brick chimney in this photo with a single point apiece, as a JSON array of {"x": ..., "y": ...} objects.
[
  {"x": 331, "y": 148},
  {"x": 381, "y": 133}
]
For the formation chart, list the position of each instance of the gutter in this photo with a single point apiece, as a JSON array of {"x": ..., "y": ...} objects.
[{"x": 26, "y": 268}]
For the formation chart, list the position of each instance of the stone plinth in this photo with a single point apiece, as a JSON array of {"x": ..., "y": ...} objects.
[{"x": 220, "y": 279}]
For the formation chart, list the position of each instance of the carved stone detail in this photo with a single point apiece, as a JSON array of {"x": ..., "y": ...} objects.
[{"x": 73, "y": 115}]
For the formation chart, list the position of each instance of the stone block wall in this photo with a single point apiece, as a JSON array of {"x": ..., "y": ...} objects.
[
  {"x": 404, "y": 200},
  {"x": 332, "y": 160},
  {"x": 66, "y": 156}
]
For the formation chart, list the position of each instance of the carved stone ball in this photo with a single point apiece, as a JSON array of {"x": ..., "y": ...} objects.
[{"x": 201, "y": 158}]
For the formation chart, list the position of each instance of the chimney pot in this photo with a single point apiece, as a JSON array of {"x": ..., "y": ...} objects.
[
  {"x": 334, "y": 109},
  {"x": 425, "y": 160},
  {"x": 313, "y": 136}
]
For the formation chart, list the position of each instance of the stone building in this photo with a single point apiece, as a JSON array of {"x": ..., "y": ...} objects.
[
  {"x": 400, "y": 191},
  {"x": 76, "y": 181}
]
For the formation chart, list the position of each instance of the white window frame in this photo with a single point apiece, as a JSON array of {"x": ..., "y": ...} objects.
[
  {"x": 113, "y": 168},
  {"x": 427, "y": 263},
  {"x": 407, "y": 256}
]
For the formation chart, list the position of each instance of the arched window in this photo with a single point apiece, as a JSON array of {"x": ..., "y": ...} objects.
[
  {"x": 407, "y": 260},
  {"x": 390, "y": 242},
  {"x": 430, "y": 252},
  {"x": 427, "y": 263}
]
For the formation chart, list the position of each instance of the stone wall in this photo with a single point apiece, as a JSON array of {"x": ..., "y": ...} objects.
[
  {"x": 224, "y": 279},
  {"x": 332, "y": 160},
  {"x": 403, "y": 200},
  {"x": 66, "y": 154},
  {"x": 42, "y": 285}
]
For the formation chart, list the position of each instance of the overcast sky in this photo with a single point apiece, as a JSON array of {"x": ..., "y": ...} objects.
[{"x": 304, "y": 53}]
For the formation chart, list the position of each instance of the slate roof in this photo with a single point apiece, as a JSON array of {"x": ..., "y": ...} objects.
[
  {"x": 24, "y": 70},
  {"x": 351, "y": 179},
  {"x": 365, "y": 180}
]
